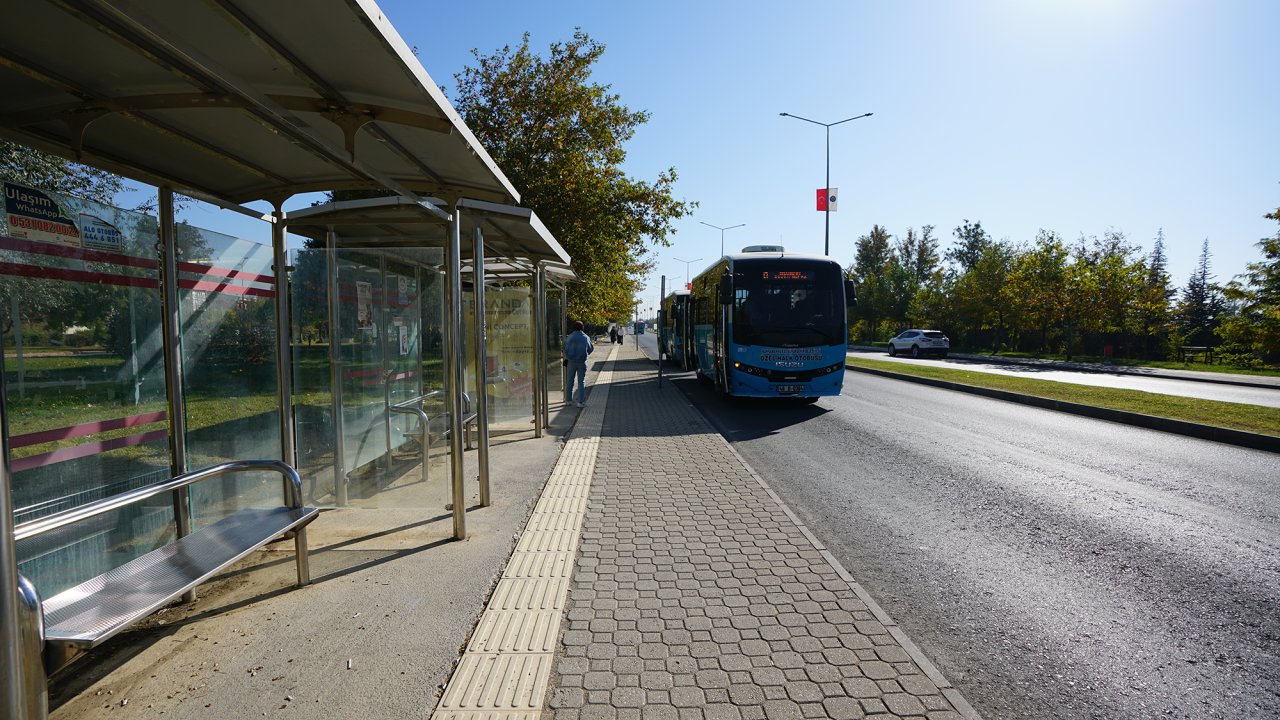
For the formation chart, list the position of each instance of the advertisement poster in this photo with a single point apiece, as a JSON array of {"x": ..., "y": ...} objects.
[
  {"x": 404, "y": 339},
  {"x": 100, "y": 234},
  {"x": 364, "y": 305},
  {"x": 509, "y": 344},
  {"x": 32, "y": 215}
]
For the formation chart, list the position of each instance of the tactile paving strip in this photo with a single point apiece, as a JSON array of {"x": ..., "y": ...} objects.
[{"x": 504, "y": 672}]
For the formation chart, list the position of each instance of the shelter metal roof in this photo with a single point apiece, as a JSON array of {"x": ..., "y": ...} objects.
[
  {"x": 557, "y": 273},
  {"x": 240, "y": 100},
  {"x": 509, "y": 231}
]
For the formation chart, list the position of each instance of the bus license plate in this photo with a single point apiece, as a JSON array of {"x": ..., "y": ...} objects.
[{"x": 789, "y": 388}]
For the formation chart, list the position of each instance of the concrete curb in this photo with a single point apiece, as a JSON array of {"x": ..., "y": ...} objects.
[{"x": 1240, "y": 438}]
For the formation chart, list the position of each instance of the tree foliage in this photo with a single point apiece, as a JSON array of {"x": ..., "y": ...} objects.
[
  {"x": 559, "y": 138},
  {"x": 1253, "y": 332},
  {"x": 1202, "y": 304},
  {"x": 1048, "y": 296},
  {"x": 19, "y": 163}
]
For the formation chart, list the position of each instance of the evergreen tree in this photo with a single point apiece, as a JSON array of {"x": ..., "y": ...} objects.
[
  {"x": 1154, "y": 301},
  {"x": 1158, "y": 269},
  {"x": 1202, "y": 303},
  {"x": 1253, "y": 334}
]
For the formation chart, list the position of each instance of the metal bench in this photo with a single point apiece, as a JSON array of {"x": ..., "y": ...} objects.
[
  {"x": 82, "y": 617},
  {"x": 413, "y": 406}
]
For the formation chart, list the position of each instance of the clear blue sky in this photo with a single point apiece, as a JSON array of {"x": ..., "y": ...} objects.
[{"x": 1077, "y": 116}]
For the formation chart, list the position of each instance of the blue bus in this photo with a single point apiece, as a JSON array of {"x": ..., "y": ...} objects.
[
  {"x": 674, "y": 329},
  {"x": 765, "y": 323}
]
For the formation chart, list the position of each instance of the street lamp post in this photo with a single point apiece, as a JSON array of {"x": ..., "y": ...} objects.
[
  {"x": 686, "y": 268},
  {"x": 827, "y": 242},
  {"x": 722, "y": 229}
]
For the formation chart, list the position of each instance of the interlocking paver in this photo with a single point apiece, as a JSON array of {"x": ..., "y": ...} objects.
[{"x": 697, "y": 596}]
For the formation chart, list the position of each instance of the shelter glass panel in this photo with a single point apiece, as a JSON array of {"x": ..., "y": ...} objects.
[
  {"x": 84, "y": 378},
  {"x": 227, "y": 293},
  {"x": 313, "y": 392},
  {"x": 509, "y": 358},
  {"x": 553, "y": 342},
  {"x": 364, "y": 367}
]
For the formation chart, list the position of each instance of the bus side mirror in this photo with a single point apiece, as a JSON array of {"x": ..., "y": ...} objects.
[
  {"x": 726, "y": 290},
  {"x": 850, "y": 296}
]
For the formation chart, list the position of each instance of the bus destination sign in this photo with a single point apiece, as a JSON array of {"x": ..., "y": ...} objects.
[{"x": 803, "y": 275}]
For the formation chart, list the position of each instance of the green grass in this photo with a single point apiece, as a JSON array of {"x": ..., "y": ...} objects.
[
  {"x": 1127, "y": 362},
  {"x": 1250, "y": 418}
]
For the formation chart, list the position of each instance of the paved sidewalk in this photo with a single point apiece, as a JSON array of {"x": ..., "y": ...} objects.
[
  {"x": 696, "y": 594},
  {"x": 657, "y": 577}
]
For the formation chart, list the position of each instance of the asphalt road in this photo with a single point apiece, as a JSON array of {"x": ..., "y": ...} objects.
[
  {"x": 1267, "y": 397},
  {"x": 1052, "y": 566}
]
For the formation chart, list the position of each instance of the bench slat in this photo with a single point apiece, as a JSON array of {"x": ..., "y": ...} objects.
[{"x": 95, "y": 610}]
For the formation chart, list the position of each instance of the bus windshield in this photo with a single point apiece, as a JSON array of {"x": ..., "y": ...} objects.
[{"x": 792, "y": 303}]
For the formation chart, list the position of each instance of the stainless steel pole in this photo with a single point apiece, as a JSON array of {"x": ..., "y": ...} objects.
[
  {"x": 284, "y": 344},
  {"x": 453, "y": 360},
  {"x": 539, "y": 368},
  {"x": 172, "y": 333},
  {"x": 15, "y": 663},
  {"x": 544, "y": 376},
  {"x": 384, "y": 357},
  {"x": 482, "y": 369},
  {"x": 340, "y": 497}
]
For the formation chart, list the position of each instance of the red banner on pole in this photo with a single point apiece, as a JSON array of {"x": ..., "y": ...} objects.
[{"x": 822, "y": 199}]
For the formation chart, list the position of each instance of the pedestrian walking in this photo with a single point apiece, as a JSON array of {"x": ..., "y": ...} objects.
[
  {"x": 576, "y": 349},
  {"x": 613, "y": 333}
]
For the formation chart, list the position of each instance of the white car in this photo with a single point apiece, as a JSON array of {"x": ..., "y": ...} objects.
[{"x": 920, "y": 342}]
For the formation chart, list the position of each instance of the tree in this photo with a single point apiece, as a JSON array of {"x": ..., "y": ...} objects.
[
  {"x": 873, "y": 272},
  {"x": 1039, "y": 284},
  {"x": 971, "y": 241},
  {"x": 1253, "y": 333},
  {"x": 1202, "y": 303},
  {"x": 560, "y": 139},
  {"x": 1154, "y": 299},
  {"x": 1115, "y": 276},
  {"x": 983, "y": 294},
  {"x": 19, "y": 163},
  {"x": 918, "y": 254}
]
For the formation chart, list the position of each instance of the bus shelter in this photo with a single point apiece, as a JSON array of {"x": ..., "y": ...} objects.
[
  {"x": 501, "y": 350},
  {"x": 232, "y": 102},
  {"x": 556, "y": 279}
]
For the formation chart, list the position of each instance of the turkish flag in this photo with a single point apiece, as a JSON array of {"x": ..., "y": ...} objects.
[{"x": 822, "y": 199}]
